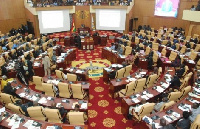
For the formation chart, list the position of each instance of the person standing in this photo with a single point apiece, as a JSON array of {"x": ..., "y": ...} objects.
[{"x": 46, "y": 63}]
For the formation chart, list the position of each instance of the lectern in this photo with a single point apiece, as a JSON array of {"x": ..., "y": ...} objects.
[{"x": 103, "y": 40}]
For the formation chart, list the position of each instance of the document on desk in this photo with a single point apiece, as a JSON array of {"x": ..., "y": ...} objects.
[
  {"x": 159, "y": 89},
  {"x": 3, "y": 109},
  {"x": 28, "y": 123},
  {"x": 79, "y": 71},
  {"x": 84, "y": 106},
  {"x": 149, "y": 95},
  {"x": 145, "y": 97},
  {"x": 191, "y": 61},
  {"x": 11, "y": 122},
  {"x": 135, "y": 100},
  {"x": 165, "y": 85},
  {"x": 15, "y": 125},
  {"x": 131, "y": 79},
  {"x": 34, "y": 98},
  {"x": 50, "y": 127},
  {"x": 22, "y": 95},
  {"x": 42, "y": 100},
  {"x": 36, "y": 64},
  {"x": 177, "y": 115},
  {"x": 183, "y": 108},
  {"x": 143, "y": 73},
  {"x": 168, "y": 118}
]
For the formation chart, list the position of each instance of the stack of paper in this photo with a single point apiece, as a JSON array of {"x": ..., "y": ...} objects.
[
  {"x": 84, "y": 106},
  {"x": 159, "y": 89},
  {"x": 42, "y": 100}
]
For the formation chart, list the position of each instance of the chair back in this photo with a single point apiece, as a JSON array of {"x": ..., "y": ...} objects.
[
  {"x": 151, "y": 80},
  {"x": 139, "y": 85},
  {"x": 185, "y": 91},
  {"x": 127, "y": 70},
  {"x": 172, "y": 56},
  {"x": 197, "y": 48},
  {"x": 155, "y": 46},
  {"x": 183, "y": 49},
  {"x": 71, "y": 77},
  {"x": 148, "y": 49},
  {"x": 163, "y": 52},
  {"x": 128, "y": 50},
  {"x": 146, "y": 109},
  {"x": 174, "y": 96},
  {"x": 196, "y": 123},
  {"x": 49, "y": 89},
  {"x": 120, "y": 73},
  {"x": 130, "y": 88},
  {"x": 177, "y": 46},
  {"x": 16, "y": 109},
  {"x": 193, "y": 55},
  {"x": 36, "y": 112},
  {"x": 64, "y": 90},
  {"x": 77, "y": 91},
  {"x": 76, "y": 118},
  {"x": 166, "y": 105},
  {"x": 53, "y": 115},
  {"x": 59, "y": 74},
  {"x": 6, "y": 98},
  {"x": 38, "y": 83}
]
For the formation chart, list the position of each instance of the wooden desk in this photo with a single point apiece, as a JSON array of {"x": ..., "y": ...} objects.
[
  {"x": 84, "y": 75},
  {"x": 85, "y": 29},
  {"x": 142, "y": 62},
  {"x": 87, "y": 43},
  {"x": 112, "y": 57},
  {"x": 103, "y": 40},
  {"x": 117, "y": 86},
  {"x": 162, "y": 62},
  {"x": 127, "y": 102},
  {"x": 67, "y": 106},
  {"x": 96, "y": 39}
]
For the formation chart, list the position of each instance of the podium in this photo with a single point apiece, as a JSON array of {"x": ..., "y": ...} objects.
[
  {"x": 87, "y": 43},
  {"x": 103, "y": 40},
  {"x": 67, "y": 41},
  {"x": 96, "y": 40}
]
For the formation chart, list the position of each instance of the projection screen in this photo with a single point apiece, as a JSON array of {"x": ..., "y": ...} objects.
[
  {"x": 53, "y": 21},
  {"x": 110, "y": 19}
]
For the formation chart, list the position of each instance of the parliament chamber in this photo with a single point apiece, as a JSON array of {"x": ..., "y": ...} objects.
[{"x": 117, "y": 64}]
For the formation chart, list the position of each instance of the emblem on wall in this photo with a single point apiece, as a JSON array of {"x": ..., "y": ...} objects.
[{"x": 82, "y": 14}]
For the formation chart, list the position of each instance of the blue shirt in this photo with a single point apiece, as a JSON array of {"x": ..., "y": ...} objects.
[
  {"x": 15, "y": 46},
  {"x": 112, "y": 47}
]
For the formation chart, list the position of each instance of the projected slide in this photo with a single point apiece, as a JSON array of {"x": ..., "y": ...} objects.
[
  {"x": 53, "y": 21},
  {"x": 166, "y": 8},
  {"x": 111, "y": 19}
]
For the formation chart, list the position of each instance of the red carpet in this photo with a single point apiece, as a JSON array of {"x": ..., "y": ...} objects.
[{"x": 103, "y": 111}]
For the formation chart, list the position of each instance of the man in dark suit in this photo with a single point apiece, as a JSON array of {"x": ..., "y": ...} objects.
[
  {"x": 4, "y": 69},
  {"x": 8, "y": 89},
  {"x": 181, "y": 71},
  {"x": 175, "y": 82}
]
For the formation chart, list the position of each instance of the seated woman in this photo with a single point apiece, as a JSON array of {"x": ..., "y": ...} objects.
[{"x": 130, "y": 58}]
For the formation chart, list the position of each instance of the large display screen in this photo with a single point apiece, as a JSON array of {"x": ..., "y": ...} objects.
[
  {"x": 166, "y": 8},
  {"x": 110, "y": 19},
  {"x": 54, "y": 21}
]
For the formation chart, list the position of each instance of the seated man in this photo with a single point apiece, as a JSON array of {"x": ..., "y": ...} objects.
[
  {"x": 184, "y": 123},
  {"x": 4, "y": 81},
  {"x": 158, "y": 106},
  {"x": 164, "y": 125},
  {"x": 119, "y": 49},
  {"x": 8, "y": 89},
  {"x": 175, "y": 82},
  {"x": 194, "y": 112},
  {"x": 112, "y": 46},
  {"x": 4, "y": 69},
  {"x": 76, "y": 109},
  {"x": 181, "y": 71}
]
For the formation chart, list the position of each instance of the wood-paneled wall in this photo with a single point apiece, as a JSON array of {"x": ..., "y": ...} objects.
[
  {"x": 11, "y": 14},
  {"x": 144, "y": 11},
  {"x": 82, "y": 16}
]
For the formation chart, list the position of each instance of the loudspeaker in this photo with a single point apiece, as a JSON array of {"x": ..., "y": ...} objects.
[{"x": 136, "y": 19}]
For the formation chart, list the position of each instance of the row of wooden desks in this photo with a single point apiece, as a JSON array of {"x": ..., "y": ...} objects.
[
  {"x": 4, "y": 123},
  {"x": 28, "y": 94},
  {"x": 83, "y": 75},
  {"x": 114, "y": 58},
  {"x": 116, "y": 85},
  {"x": 127, "y": 101}
]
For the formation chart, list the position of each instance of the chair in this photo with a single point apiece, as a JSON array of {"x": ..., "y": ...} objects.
[
  {"x": 184, "y": 83},
  {"x": 6, "y": 99},
  {"x": 196, "y": 123},
  {"x": 172, "y": 56},
  {"x": 186, "y": 70},
  {"x": 128, "y": 50},
  {"x": 174, "y": 96},
  {"x": 53, "y": 115},
  {"x": 148, "y": 49},
  {"x": 64, "y": 90},
  {"x": 37, "y": 113},
  {"x": 177, "y": 46},
  {"x": 44, "y": 46},
  {"x": 166, "y": 105},
  {"x": 183, "y": 49},
  {"x": 185, "y": 91},
  {"x": 38, "y": 83},
  {"x": 155, "y": 58},
  {"x": 10, "y": 45},
  {"x": 137, "y": 40},
  {"x": 71, "y": 77},
  {"x": 120, "y": 73},
  {"x": 128, "y": 90},
  {"x": 144, "y": 111},
  {"x": 192, "y": 45},
  {"x": 188, "y": 38},
  {"x": 197, "y": 48},
  {"x": 155, "y": 46},
  {"x": 59, "y": 74},
  {"x": 163, "y": 52},
  {"x": 193, "y": 55},
  {"x": 139, "y": 85},
  {"x": 123, "y": 48},
  {"x": 153, "y": 34},
  {"x": 127, "y": 70},
  {"x": 78, "y": 91},
  {"x": 195, "y": 36},
  {"x": 151, "y": 80},
  {"x": 15, "y": 109},
  {"x": 164, "y": 42},
  {"x": 198, "y": 64},
  {"x": 76, "y": 118},
  {"x": 49, "y": 89}
]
